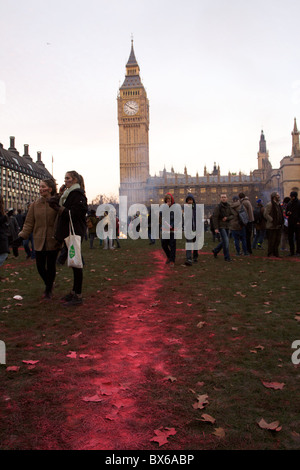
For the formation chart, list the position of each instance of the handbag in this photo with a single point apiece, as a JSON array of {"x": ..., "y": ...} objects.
[{"x": 73, "y": 243}]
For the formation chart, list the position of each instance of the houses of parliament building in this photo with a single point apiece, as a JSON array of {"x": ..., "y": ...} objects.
[{"x": 139, "y": 187}]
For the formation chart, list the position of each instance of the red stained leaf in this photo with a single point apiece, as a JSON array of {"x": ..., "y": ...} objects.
[
  {"x": 77, "y": 335},
  {"x": 30, "y": 362},
  {"x": 93, "y": 399},
  {"x": 161, "y": 435},
  {"x": 72, "y": 355},
  {"x": 274, "y": 385},
  {"x": 13, "y": 369}
]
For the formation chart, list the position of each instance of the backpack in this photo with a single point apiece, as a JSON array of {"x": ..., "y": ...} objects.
[
  {"x": 257, "y": 215},
  {"x": 243, "y": 216}
]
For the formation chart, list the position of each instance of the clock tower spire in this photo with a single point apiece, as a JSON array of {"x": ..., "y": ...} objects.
[{"x": 133, "y": 120}]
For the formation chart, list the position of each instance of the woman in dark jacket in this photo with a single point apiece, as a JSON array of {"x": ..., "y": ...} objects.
[
  {"x": 4, "y": 250},
  {"x": 73, "y": 199}
]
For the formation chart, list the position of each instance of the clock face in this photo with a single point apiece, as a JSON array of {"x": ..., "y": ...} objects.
[{"x": 131, "y": 108}]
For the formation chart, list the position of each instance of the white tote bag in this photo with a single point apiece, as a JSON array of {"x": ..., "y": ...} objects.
[{"x": 73, "y": 243}]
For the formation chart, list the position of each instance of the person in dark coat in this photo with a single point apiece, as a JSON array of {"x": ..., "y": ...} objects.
[
  {"x": 73, "y": 199},
  {"x": 293, "y": 213},
  {"x": 191, "y": 255},
  {"x": 222, "y": 215},
  {"x": 4, "y": 249},
  {"x": 169, "y": 243},
  {"x": 274, "y": 217}
]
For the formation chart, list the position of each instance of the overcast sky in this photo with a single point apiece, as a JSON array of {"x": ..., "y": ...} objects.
[{"x": 216, "y": 74}]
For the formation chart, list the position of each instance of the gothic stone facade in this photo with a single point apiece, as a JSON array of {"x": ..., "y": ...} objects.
[
  {"x": 20, "y": 176},
  {"x": 137, "y": 184}
]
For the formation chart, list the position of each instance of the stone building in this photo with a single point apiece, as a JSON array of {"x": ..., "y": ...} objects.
[
  {"x": 140, "y": 187},
  {"x": 20, "y": 176}
]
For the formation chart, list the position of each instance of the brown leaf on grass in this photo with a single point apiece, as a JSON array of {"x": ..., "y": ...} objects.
[
  {"x": 274, "y": 385},
  {"x": 201, "y": 402},
  {"x": 207, "y": 418},
  {"x": 201, "y": 324},
  {"x": 274, "y": 426},
  {"x": 297, "y": 317},
  {"x": 259, "y": 347},
  {"x": 161, "y": 435},
  {"x": 219, "y": 432}
]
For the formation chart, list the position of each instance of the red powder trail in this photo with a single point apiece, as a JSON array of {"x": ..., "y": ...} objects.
[{"x": 134, "y": 348}]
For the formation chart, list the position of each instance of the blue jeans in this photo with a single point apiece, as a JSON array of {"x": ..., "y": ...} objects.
[
  {"x": 259, "y": 238},
  {"x": 240, "y": 235},
  {"x": 224, "y": 243}
]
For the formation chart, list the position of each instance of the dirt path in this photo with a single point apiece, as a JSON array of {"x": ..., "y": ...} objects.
[{"x": 115, "y": 411}]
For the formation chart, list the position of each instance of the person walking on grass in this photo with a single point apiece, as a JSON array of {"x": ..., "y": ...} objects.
[
  {"x": 222, "y": 215},
  {"x": 191, "y": 256},
  {"x": 40, "y": 222},
  {"x": 169, "y": 244},
  {"x": 92, "y": 222},
  {"x": 237, "y": 230},
  {"x": 260, "y": 225},
  {"x": 293, "y": 213},
  {"x": 249, "y": 227},
  {"x": 72, "y": 200},
  {"x": 274, "y": 217}
]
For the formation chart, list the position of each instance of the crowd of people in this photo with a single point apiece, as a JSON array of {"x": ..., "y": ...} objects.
[
  {"x": 45, "y": 225},
  {"x": 277, "y": 222}
]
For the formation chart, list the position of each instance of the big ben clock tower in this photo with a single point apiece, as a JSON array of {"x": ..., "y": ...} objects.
[{"x": 133, "y": 120}]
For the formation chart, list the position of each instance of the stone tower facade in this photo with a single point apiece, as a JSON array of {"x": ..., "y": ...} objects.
[
  {"x": 133, "y": 120},
  {"x": 290, "y": 166}
]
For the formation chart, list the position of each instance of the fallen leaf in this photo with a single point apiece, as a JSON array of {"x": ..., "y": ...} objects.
[
  {"x": 208, "y": 418},
  {"x": 13, "y": 368},
  {"x": 274, "y": 426},
  {"x": 18, "y": 297},
  {"x": 77, "y": 335},
  {"x": 201, "y": 402},
  {"x": 162, "y": 435},
  {"x": 93, "y": 399},
  {"x": 219, "y": 432},
  {"x": 201, "y": 324},
  {"x": 30, "y": 362},
  {"x": 169, "y": 377},
  {"x": 72, "y": 354},
  {"x": 274, "y": 385}
]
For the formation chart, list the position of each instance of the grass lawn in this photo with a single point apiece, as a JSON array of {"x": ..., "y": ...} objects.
[{"x": 156, "y": 357}]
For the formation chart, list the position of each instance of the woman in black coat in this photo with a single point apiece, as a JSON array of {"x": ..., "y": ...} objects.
[
  {"x": 4, "y": 249},
  {"x": 73, "y": 199}
]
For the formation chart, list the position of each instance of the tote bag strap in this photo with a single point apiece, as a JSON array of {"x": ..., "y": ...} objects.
[{"x": 71, "y": 227}]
